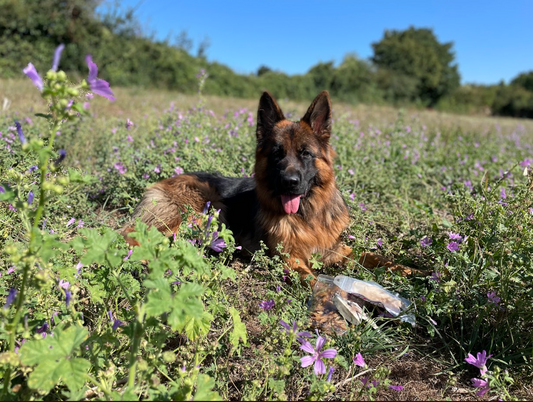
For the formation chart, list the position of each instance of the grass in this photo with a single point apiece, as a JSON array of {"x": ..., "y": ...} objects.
[{"x": 406, "y": 175}]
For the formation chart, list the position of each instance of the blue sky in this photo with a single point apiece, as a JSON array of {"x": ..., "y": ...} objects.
[{"x": 493, "y": 40}]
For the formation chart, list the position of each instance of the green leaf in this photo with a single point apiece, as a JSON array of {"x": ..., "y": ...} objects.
[
  {"x": 129, "y": 282},
  {"x": 54, "y": 359},
  {"x": 47, "y": 244},
  {"x": 46, "y": 116},
  {"x": 239, "y": 329},
  {"x": 186, "y": 303},
  {"x": 276, "y": 385},
  {"x": 198, "y": 326},
  {"x": 8, "y": 193},
  {"x": 98, "y": 247},
  {"x": 204, "y": 388},
  {"x": 446, "y": 223},
  {"x": 149, "y": 238},
  {"x": 159, "y": 299},
  {"x": 71, "y": 371},
  {"x": 182, "y": 307}
]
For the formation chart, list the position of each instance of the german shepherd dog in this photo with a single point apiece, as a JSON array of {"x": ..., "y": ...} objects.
[{"x": 292, "y": 200}]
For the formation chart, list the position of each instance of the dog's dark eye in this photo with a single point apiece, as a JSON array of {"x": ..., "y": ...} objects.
[
  {"x": 306, "y": 154},
  {"x": 278, "y": 152}
]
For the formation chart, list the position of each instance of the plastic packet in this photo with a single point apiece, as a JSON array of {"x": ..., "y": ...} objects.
[
  {"x": 377, "y": 295},
  {"x": 324, "y": 314}
]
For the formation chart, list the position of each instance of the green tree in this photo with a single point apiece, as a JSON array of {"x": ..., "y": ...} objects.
[
  {"x": 513, "y": 100},
  {"x": 524, "y": 80},
  {"x": 416, "y": 53},
  {"x": 322, "y": 75},
  {"x": 263, "y": 70},
  {"x": 353, "y": 81}
]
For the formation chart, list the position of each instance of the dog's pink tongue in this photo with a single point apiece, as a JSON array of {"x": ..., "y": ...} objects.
[{"x": 290, "y": 203}]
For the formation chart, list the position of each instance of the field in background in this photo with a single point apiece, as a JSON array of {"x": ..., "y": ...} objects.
[{"x": 407, "y": 176}]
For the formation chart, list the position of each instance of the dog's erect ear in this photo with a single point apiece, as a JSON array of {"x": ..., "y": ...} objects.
[
  {"x": 268, "y": 114},
  {"x": 318, "y": 116}
]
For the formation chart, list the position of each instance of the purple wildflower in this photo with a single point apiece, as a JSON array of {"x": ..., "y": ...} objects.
[
  {"x": 379, "y": 242},
  {"x": 503, "y": 194},
  {"x": 70, "y": 222},
  {"x": 330, "y": 373},
  {"x": 396, "y": 387},
  {"x": 62, "y": 154},
  {"x": 43, "y": 329},
  {"x": 316, "y": 355},
  {"x": 373, "y": 384},
  {"x": 435, "y": 276},
  {"x": 208, "y": 225},
  {"x": 32, "y": 73},
  {"x": 129, "y": 124},
  {"x": 201, "y": 73},
  {"x": 454, "y": 236},
  {"x": 362, "y": 206},
  {"x": 57, "y": 56},
  {"x": 117, "y": 323},
  {"x": 300, "y": 336},
  {"x": 358, "y": 360},
  {"x": 2, "y": 189},
  {"x": 63, "y": 284},
  {"x": 483, "y": 386},
  {"x": 479, "y": 361},
  {"x": 33, "y": 168},
  {"x": 206, "y": 207},
  {"x": 267, "y": 304},
  {"x": 453, "y": 246},
  {"x": 129, "y": 255},
  {"x": 120, "y": 167},
  {"x": 178, "y": 171},
  {"x": 426, "y": 242},
  {"x": 20, "y": 133},
  {"x": 10, "y": 298},
  {"x": 98, "y": 86},
  {"x": 68, "y": 295},
  {"x": 19, "y": 344},
  {"x": 493, "y": 298},
  {"x": 218, "y": 243},
  {"x": 30, "y": 197}
]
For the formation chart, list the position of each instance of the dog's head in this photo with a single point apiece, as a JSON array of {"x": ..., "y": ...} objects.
[{"x": 292, "y": 158}]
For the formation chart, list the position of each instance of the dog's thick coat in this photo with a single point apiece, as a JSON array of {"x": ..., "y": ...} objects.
[{"x": 293, "y": 198}]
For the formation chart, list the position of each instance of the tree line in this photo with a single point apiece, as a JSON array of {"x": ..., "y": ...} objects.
[{"x": 409, "y": 67}]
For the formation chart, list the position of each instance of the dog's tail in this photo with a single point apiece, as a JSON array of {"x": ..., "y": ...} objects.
[
  {"x": 164, "y": 203},
  {"x": 157, "y": 208}
]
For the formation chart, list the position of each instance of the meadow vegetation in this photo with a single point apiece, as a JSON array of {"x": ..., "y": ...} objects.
[{"x": 190, "y": 317}]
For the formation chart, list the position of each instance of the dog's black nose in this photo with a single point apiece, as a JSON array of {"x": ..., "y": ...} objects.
[{"x": 290, "y": 181}]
